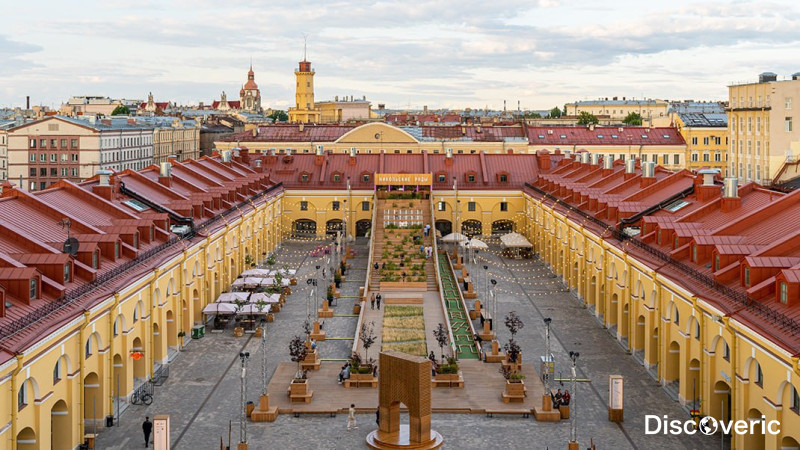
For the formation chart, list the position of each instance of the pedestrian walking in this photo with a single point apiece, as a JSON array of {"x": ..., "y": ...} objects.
[
  {"x": 351, "y": 417},
  {"x": 378, "y": 300},
  {"x": 422, "y": 249},
  {"x": 147, "y": 428},
  {"x": 372, "y": 301}
]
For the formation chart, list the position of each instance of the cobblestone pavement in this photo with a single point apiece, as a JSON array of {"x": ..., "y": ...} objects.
[{"x": 203, "y": 392}]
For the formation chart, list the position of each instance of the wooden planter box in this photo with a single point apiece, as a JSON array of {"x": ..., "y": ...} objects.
[
  {"x": 299, "y": 391},
  {"x": 564, "y": 409},
  {"x": 361, "y": 380},
  {"x": 450, "y": 380},
  {"x": 238, "y": 332},
  {"x": 515, "y": 392}
]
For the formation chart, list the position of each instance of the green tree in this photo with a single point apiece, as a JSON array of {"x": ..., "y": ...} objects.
[
  {"x": 121, "y": 110},
  {"x": 279, "y": 116},
  {"x": 533, "y": 115},
  {"x": 555, "y": 113},
  {"x": 585, "y": 118},
  {"x": 633, "y": 118}
]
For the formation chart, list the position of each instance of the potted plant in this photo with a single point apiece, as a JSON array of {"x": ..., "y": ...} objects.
[
  {"x": 337, "y": 279},
  {"x": 298, "y": 351},
  {"x": 515, "y": 390},
  {"x": 442, "y": 338},
  {"x": 343, "y": 267},
  {"x": 329, "y": 294},
  {"x": 367, "y": 337},
  {"x": 271, "y": 260},
  {"x": 513, "y": 356}
]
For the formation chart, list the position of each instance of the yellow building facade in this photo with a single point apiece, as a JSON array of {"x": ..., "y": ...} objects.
[
  {"x": 706, "y": 144},
  {"x": 685, "y": 343},
  {"x": 764, "y": 132},
  {"x": 58, "y": 387},
  {"x": 653, "y": 111}
]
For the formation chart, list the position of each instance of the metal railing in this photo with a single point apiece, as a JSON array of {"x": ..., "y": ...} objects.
[
  {"x": 739, "y": 297},
  {"x": 72, "y": 295},
  {"x": 369, "y": 271},
  {"x": 435, "y": 258},
  {"x": 160, "y": 375}
]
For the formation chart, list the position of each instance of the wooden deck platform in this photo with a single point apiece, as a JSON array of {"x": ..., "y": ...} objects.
[{"x": 482, "y": 392}]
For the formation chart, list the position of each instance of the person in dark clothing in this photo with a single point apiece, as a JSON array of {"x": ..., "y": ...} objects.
[
  {"x": 378, "y": 300},
  {"x": 147, "y": 428}
]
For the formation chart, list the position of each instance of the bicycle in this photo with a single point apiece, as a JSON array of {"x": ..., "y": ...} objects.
[{"x": 138, "y": 398}]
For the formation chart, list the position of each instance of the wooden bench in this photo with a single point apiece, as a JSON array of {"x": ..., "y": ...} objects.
[
  {"x": 300, "y": 398},
  {"x": 525, "y": 413},
  {"x": 361, "y": 380},
  {"x": 449, "y": 380}
]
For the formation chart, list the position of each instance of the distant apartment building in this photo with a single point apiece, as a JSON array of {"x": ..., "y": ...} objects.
[
  {"x": 56, "y": 147},
  {"x": 653, "y": 112},
  {"x": 173, "y": 137},
  {"x": 704, "y": 127},
  {"x": 217, "y": 128},
  {"x": 764, "y": 133}
]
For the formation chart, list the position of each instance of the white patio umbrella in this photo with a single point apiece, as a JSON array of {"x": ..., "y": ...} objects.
[
  {"x": 231, "y": 297},
  {"x": 252, "y": 308},
  {"x": 454, "y": 237},
  {"x": 260, "y": 296},
  {"x": 515, "y": 240},
  {"x": 257, "y": 273},
  {"x": 474, "y": 243},
  {"x": 220, "y": 309}
]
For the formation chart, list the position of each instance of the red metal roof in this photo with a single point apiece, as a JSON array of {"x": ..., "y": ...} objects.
[
  {"x": 292, "y": 133},
  {"x": 557, "y": 136}
]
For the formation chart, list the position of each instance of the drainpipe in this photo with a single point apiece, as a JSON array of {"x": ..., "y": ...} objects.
[
  {"x": 14, "y": 404},
  {"x": 698, "y": 314},
  {"x": 734, "y": 382},
  {"x": 152, "y": 320},
  {"x": 111, "y": 319},
  {"x": 181, "y": 299},
  {"x": 82, "y": 359},
  {"x": 627, "y": 295},
  {"x": 661, "y": 331}
]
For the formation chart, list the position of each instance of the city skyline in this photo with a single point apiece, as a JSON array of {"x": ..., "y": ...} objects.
[{"x": 444, "y": 55}]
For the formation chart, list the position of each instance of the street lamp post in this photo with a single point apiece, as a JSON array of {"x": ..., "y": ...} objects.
[
  {"x": 494, "y": 306},
  {"x": 573, "y": 433},
  {"x": 547, "y": 359},
  {"x": 485, "y": 282},
  {"x": 244, "y": 356},
  {"x": 264, "y": 357}
]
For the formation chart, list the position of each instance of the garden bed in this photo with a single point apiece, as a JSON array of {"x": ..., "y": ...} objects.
[{"x": 404, "y": 330}]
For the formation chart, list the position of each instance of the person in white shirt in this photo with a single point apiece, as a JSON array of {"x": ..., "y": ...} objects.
[{"x": 351, "y": 417}]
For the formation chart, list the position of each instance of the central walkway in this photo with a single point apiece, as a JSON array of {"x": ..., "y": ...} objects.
[{"x": 202, "y": 394}]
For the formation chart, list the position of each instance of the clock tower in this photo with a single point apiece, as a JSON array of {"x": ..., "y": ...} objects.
[{"x": 250, "y": 95}]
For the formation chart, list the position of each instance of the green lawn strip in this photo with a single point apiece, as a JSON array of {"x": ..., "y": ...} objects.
[{"x": 465, "y": 346}]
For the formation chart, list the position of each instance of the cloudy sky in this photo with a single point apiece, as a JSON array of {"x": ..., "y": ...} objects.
[{"x": 451, "y": 54}]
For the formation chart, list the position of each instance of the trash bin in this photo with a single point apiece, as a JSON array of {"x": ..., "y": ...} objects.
[
  {"x": 202, "y": 330},
  {"x": 109, "y": 421},
  {"x": 198, "y": 332}
]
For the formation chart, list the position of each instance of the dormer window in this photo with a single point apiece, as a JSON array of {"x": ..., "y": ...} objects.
[
  {"x": 716, "y": 262},
  {"x": 34, "y": 288},
  {"x": 365, "y": 178},
  {"x": 304, "y": 177},
  {"x": 784, "y": 292},
  {"x": 441, "y": 177},
  {"x": 694, "y": 253},
  {"x": 136, "y": 240},
  {"x": 95, "y": 259},
  {"x": 335, "y": 206},
  {"x": 116, "y": 250},
  {"x": 746, "y": 276},
  {"x": 503, "y": 178},
  {"x": 66, "y": 273},
  {"x": 337, "y": 177},
  {"x": 470, "y": 178}
]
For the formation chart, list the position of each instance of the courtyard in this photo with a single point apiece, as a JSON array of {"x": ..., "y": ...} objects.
[{"x": 202, "y": 393}]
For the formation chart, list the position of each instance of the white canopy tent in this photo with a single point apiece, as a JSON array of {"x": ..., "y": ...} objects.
[
  {"x": 474, "y": 244},
  {"x": 514, "y": 240}
]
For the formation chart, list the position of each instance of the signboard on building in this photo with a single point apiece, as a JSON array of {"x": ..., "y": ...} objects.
[{"x": 403, "y": 179}]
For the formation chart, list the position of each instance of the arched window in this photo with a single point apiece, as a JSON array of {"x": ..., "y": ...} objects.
[
  {"x": 117, "y": 325},
  {"x": 794, "y": 401},
  {"x": 89, "y": 346},
  {"x": 697, "y": 330},
  {"x": 677, "y": 316},
  {"x": 57, "y": 374},
  {"x": 759, "y": 378},
  {"x": 22, "y": 395}
]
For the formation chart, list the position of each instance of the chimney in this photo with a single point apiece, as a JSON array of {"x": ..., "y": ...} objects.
[
  {"x": 104, "y": 188},
  {"x": 584, "y": 157},
  {"x": 463, "y": 130},
  {"x": 704, "y": 184},
  {"x": 630, "y": 168},
  {"x": 730, "y": 195},
  {"x": 648, "y": 173},
  {"x": 237, "y": 156},
  {"x": 567, "y": 154},
  {"x": 608, "y": 165},
  {"x": 591, "y": 127},
  {"x": 272, "y": 157},
  {"x": 27, "y": 102},
  {"x": 300, "y": 127},
  {"x": 320, "y": 155},
  {"x": 595, "y": 159},
  {"x": 244, "y": 152},
  {"x": 478, "y": 128},
  {"x": 226, "y": 157},
  {"x": 448, "y": 157},
  {"x": 353, "y": 156},
  {"x": 543, "y": 159},
  {"x": 258, "y": 167},
  {"x": 165, "y": 174}
]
